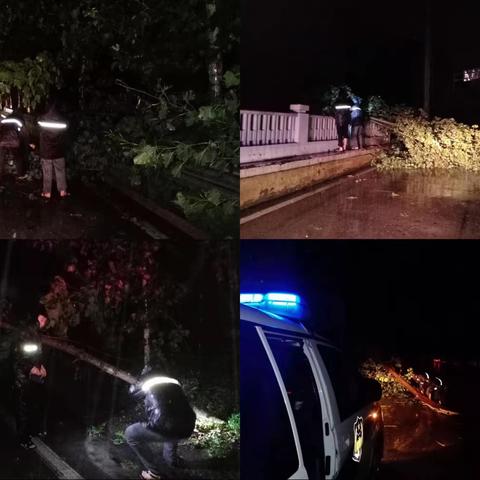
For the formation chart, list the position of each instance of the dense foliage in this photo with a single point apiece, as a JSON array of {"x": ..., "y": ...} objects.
[
  {"x": 390, "y": 387},
  {"x": 220, "y": 439},
  {"x": 115, "y": 61},
  {"x": 31, "y": 78},
  {"x": 117, "y": 290},
  {"x": 420, "y": 143}
]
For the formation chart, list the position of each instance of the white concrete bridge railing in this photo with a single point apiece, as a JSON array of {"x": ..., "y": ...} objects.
[
  {"x": 270, "y": 135},
  {"x": 267, "y": 128}
]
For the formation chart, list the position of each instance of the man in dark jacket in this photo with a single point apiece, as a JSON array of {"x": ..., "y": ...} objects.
[
  {"x": 170, "y": 418},
  {"x": 30, "y": 377},
  {"x": 342, "y": 120},
  {"x": 13, "y": 143},
  {"x": 358, "y": 126},
  {"x": 53, "y": 127}
]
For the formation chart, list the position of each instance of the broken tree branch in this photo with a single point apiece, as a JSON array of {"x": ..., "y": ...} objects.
[{"x": 80, "y": 355}]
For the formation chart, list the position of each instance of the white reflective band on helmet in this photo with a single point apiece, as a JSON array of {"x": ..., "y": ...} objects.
[
  {"x": 146, "y": 386},
  {"x": 53, "y": 125},
  {"x": 30, "y": 347},
  {"x": 342, "y": 107},
  {"x": 356, "y": 108},
  {"x": 13, "y": 120}
]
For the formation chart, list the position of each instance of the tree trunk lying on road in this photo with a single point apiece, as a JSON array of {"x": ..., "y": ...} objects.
[
  {"x": 81, "y": 355},
  {"x": 424, "y": 399},
  {"x": 104, "y": 366},
  {"x": 86, "y": 357}
]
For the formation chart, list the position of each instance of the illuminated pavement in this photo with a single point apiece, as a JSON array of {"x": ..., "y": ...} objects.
[
  {"x": 421, "y": 444},
  {"x": 381, "y": 205}
]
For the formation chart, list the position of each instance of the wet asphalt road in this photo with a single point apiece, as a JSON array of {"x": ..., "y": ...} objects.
[
  {"x": 421, "y": 444},
  {"x": 16, "y": 463},
  {"x": 24, "y": 215},
  {"x": 379, "y": 205}
]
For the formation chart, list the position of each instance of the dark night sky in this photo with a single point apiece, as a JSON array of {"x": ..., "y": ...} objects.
[
  {"x": 291, "y": 49},
  {"x": 408, "y": 297}
]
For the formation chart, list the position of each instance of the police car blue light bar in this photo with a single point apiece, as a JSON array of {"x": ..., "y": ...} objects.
[
  {"x": 279, "y": 303},
  {"x": 251, "y": 297}
]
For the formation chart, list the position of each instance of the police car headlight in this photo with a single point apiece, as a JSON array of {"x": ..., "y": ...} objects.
[{"x": 30, "y": 347}]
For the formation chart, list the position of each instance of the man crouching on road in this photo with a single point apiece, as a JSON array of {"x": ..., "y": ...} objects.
[{"x": 170, "y": 418}]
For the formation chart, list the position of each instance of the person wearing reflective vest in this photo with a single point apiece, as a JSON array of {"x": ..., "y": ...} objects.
[
  {"x": 53, "y": 128},
  {"x": 30, "y": 385},
  {"x": 342, "y": 121},
  {"x": 358, "y": 126},
  {"x": 13, "y": 142},
  {"x": 170, "y": 418}
]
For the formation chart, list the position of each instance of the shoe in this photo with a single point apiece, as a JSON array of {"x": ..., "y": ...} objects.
[
  {"x": 28, "y": 445},
  {"x": 64, "y": 194},
  {"x": 46, "y": 196},
  {"x": 149, "y": 475}
]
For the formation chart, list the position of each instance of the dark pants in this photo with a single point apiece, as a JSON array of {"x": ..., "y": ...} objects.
[
  {"x": 139, "y": 437},
  {"x": 31, "y": 410},
  {"x": 357, "y": 136},
  {"x": 342, "y": 132},
  {"x": 49, "y": 167}
]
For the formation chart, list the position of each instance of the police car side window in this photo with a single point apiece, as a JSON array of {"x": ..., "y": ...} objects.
[
  {"x": 268, "y": 448},
  {"x": 302, "y": 392},
  {"x": 346, "y": 381}
]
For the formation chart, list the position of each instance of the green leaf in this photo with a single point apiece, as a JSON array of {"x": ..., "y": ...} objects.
[{"x": 231, "y": 79}]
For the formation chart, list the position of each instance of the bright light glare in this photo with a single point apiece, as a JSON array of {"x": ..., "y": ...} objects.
[
  {"x": 374, "y": 415},
  {"x": 12, "y": 120},
  {"x": 53, "y": 125},
  {"x": 342, "y": 107},
  {"x": 251, "y": 297},
  {"x": 148, "y": 384},
  {"x": 8, "y": 110},
  {"x": 282, "y": 297},
  {"x": 30, "y": 348}
]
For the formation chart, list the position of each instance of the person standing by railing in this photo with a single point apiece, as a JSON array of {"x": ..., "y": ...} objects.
[
  {"x": 342, "y": 120},
  {"x": 358, "y": 126}
]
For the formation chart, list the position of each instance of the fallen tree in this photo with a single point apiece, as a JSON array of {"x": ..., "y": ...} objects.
[
  {"x": 64, "y": 346},
  {"x": 423, "y": 398}
]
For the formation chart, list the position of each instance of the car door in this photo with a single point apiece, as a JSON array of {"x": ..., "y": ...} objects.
[
  {"x": 303, "y": 397},
  {"x": 270, "y": 442},
  {"x": 355, "y": 427}
]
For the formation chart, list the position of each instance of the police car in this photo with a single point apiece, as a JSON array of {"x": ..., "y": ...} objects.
[{"x": 306, "y": 414}]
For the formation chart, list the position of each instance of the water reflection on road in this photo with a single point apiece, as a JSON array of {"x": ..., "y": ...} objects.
[
  {"x": 425, "y": 445},
  {"x": 399, "y": 204}
]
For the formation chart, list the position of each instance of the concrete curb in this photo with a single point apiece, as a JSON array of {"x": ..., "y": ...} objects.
[
  {"x": 61, "y": 468},
  {"x": 177, "y": 222},
  {"x": 299, "y": 197}
]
